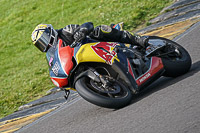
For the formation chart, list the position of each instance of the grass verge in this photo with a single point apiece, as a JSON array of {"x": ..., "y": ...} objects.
[{"x": 23, "y": 71}]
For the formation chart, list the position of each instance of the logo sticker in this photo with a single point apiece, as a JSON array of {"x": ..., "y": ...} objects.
[
  {"x": 50, "y": 61},
  {"x": 103, "y": 50},
  {"x": 56, "y": 68},
  {"x": 145, "y": 77}
]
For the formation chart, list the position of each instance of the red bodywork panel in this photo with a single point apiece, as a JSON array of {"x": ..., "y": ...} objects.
[
  {"x": 155, "y": 66},
  {"x": 60, "y": 82},
  {"x": 64, "y": 55}
]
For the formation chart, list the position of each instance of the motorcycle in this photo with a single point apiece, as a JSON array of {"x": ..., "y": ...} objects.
[{"x": 109, "y": 74}]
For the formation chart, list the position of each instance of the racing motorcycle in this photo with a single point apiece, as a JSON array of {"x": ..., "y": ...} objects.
[{"x": 109, "y": 74}]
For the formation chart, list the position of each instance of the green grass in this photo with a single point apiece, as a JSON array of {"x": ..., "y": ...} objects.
[{"x": 23, "y": 70}]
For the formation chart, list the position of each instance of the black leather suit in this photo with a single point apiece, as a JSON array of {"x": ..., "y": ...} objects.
[{"x": 101, "y": 33}]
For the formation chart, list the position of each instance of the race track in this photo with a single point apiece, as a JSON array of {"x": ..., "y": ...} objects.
[{"x": 170, "y": 105}]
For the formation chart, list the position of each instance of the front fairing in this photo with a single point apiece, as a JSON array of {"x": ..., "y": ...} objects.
[{"x": 60, "y": 63}]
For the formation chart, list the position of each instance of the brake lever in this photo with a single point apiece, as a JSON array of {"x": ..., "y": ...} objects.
[{"x": 73, "y": 44}]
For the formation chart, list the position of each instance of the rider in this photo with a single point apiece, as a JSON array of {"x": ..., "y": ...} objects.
[
  {"x": 44, "y": 35},
  {"x": 45, "y": 38}
]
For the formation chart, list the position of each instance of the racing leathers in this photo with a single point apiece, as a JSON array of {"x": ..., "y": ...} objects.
[{"x": 75, "y": 33}]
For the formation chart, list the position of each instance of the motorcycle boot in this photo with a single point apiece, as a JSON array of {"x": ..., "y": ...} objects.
[
  {"x": 135, "y": 40},
  {"x": 142, "y": 41},
  {"x": 107, "y": 33}
]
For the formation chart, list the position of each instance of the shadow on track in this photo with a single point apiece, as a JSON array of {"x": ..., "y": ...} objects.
[{"x": 164, "y": 82}]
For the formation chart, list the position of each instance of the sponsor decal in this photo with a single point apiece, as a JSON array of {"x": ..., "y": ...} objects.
[
  {"x": 50, "y": 61},
  {"x": 144, "y": 77},
  {"x": 56, "y": 68},
  {"x": 155, "y": 66},
  {"x": 103, "y": 50}
]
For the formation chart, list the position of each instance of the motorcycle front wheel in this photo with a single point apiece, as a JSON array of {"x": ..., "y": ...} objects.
[{"x": 117, "y": 95}]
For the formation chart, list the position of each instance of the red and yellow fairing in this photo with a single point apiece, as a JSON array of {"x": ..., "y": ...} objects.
[{"x": 97, "y": 52}]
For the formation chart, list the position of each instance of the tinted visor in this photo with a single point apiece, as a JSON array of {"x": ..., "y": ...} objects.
[{"x": 43, "y": 42}]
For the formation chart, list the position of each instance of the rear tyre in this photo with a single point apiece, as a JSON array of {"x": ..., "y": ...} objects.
[{"x": 176, "y": 63}]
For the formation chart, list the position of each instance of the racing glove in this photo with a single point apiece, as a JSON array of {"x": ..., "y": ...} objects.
[{"x": 80, "y": 35}]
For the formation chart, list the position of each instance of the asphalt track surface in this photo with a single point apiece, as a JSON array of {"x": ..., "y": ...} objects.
[{"x": 170, "y": 105}]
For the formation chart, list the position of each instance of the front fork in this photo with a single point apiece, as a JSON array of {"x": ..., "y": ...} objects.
[{"x": 95, "y": 76}]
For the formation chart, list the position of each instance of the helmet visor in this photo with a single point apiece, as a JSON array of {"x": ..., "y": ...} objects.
[{"x": 43, "y": 42}]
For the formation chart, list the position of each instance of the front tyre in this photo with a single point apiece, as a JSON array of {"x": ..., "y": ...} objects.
[{"x": 115, "y": 96}]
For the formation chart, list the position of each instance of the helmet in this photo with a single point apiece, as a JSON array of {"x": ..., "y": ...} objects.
[{"x": 44, "y": 36}]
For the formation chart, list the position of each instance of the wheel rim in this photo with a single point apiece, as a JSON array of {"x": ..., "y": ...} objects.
[
  {"x": 114, "y": 90},
  {"x": 175, "y": 53},
  {"x": 111, "y": 89}
]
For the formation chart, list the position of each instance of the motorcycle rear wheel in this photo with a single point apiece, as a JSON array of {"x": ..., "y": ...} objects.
[
  {"x": 177, "y": 63},
  {"x": 115, "y": 97}
]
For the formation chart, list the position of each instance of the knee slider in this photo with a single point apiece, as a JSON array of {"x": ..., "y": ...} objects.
[{"x": 106, "y": 29}]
